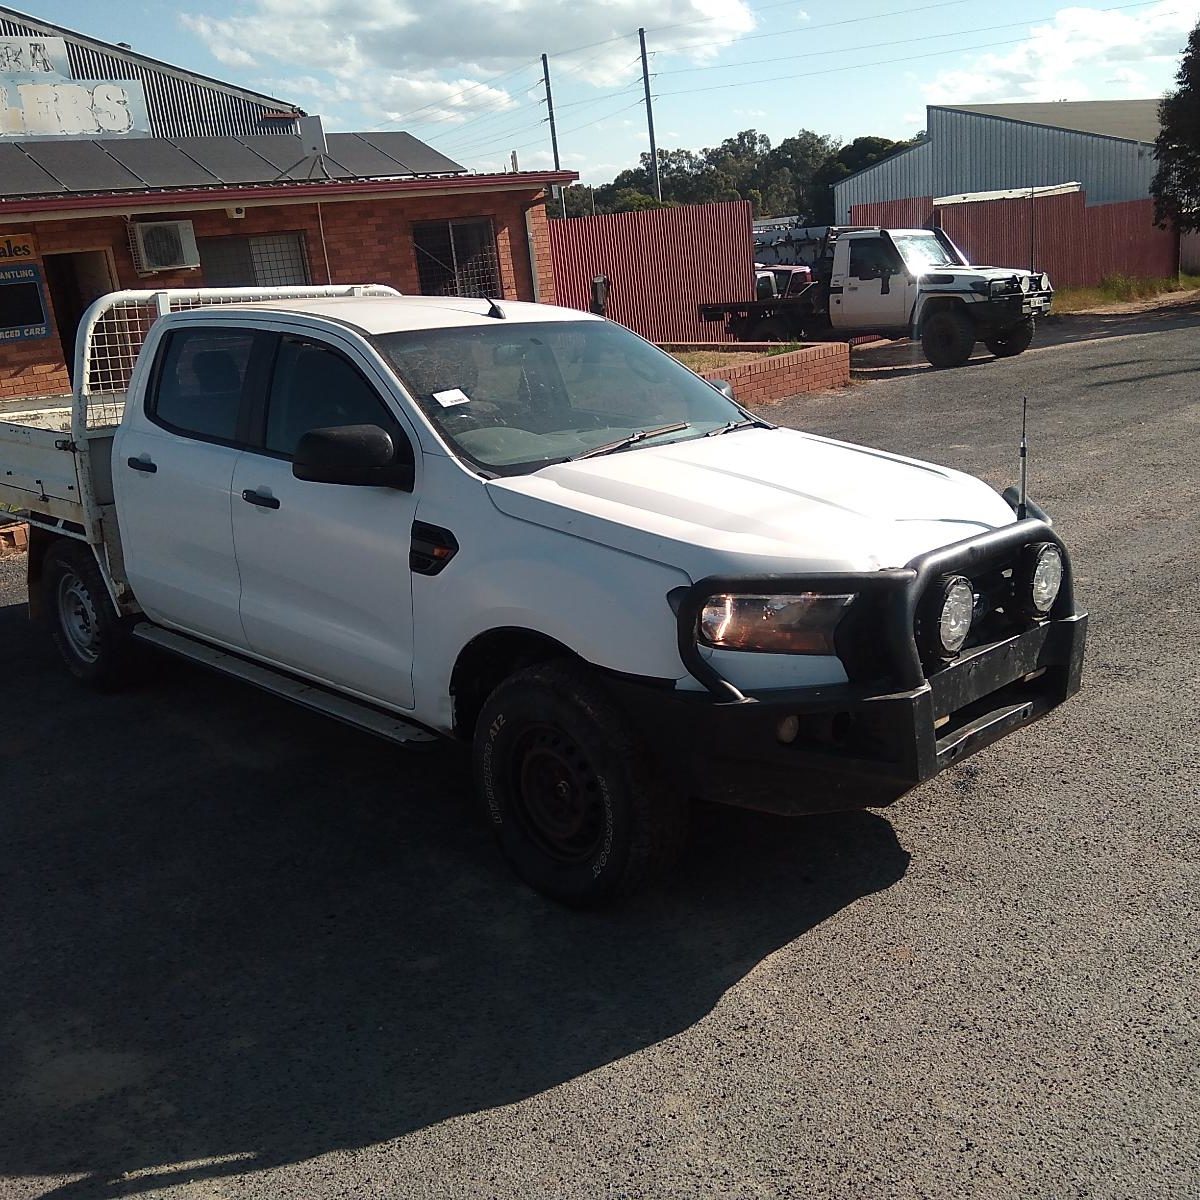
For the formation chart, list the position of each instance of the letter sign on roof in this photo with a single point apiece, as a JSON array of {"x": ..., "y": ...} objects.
[{"x": 39, "y": 99}]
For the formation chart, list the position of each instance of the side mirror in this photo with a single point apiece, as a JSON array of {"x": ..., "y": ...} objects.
[
  {"x": 357, "y": 455},
  {"x": 724, "y": 387}
]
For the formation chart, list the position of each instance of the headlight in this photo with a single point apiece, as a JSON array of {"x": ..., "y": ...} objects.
[
  {"x": 800, "y": 624},
  {"x": 944, "y": 618},
  {"x": 1038, "y": 578}
]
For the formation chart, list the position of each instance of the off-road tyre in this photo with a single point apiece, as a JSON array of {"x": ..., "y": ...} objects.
[
  {"x": 570, "y": 788},
  {"x": 947, "y": 337},
  {"x": 88, "y": 632},
  {"x": 1013, "y": 341}
]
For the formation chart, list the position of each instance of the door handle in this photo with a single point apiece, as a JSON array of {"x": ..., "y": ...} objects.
[
  {"x": 142, "y": 464},
  {"x": 252, "y": 497}
]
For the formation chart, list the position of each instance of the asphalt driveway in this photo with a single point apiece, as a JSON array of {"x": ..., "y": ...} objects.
[{"x": 246, "y": 952}]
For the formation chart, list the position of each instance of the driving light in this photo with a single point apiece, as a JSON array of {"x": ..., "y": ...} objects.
[
  {"x": 944, "y": 619},
  {"x": 1038, "y": 578},
  {"x": 1026, "y": 283},
  {"x": 799, "y": 624}
]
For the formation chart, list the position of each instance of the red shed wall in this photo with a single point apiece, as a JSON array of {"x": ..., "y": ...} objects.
[
  {"x": 662, "y": 265},
  {"x": 1076, "y": 244}
]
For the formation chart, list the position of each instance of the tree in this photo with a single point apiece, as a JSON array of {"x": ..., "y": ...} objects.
[
  {"x": 1176, "y": 186},
  {"x": 859, "y": 154}
]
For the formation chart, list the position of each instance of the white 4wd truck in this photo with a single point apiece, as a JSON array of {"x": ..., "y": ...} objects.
[
  {"x": 900, "y": 282},
  {"x": 525, "y": 528}
]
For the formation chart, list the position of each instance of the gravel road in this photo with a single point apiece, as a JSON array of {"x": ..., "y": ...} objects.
[{"x": 247, "y": 953}]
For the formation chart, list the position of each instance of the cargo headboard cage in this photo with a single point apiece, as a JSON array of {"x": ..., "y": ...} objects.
[{"x": 115, "y": 328}]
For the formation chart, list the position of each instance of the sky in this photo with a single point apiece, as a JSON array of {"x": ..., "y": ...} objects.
[{"x": 466, "y": 76}]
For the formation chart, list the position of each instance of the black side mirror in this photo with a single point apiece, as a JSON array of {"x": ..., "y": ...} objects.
[
  {"x": 358, "y": 455},
  {"x": 723, "y": 386}
]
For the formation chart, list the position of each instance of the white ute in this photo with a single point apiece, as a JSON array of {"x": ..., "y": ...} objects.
[{"x": 528, "y": 529}]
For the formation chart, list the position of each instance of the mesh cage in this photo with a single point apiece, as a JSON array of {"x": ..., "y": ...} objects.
[{"x": 117, "y": 325}]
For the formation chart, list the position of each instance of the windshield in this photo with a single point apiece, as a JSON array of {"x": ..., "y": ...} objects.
[
  {"x": 514, "y": 396},
  {"x": 921, "y": 251}
]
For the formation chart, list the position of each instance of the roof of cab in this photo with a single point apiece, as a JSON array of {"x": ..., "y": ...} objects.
[{"x": 394, "y": 314}]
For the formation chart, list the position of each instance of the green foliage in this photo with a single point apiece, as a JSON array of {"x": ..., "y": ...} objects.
[
  {"x": 793, "y": 178},
  {"x": 1176, "y": 186}
]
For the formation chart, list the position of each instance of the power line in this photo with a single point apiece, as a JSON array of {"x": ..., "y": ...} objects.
[{"x": 753, "y": 62}]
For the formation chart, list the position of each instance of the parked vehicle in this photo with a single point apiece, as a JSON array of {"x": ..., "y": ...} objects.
[
  {"x": 900, "y": 282},
  {"x": 525, "y": 528}
]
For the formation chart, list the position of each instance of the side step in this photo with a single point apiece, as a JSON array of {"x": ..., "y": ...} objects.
[{"x": 310, "y": 695}]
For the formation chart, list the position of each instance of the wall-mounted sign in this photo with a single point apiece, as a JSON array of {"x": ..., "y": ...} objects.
[
  {"x": 17, "y": 248},
  {"x": 22, "y": 304},
  {"x": 38, "y": 97}
]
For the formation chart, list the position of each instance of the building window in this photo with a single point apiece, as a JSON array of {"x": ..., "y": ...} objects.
[
  {"x": 267, "y": 261},
  {"x": 457, "y": 258}
]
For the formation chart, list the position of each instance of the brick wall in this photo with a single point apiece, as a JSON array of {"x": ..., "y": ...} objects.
[
  {"x": 775, "y": 377},
  {"x": 365, "y": 242}
]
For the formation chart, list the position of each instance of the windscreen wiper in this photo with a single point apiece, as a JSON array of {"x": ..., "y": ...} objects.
[
  {"x": 631, "y": 440},
  {"x": 744, "y": 423}
]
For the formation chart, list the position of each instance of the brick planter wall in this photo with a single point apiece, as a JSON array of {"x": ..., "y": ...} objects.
[{"x": 771, "y": 378}]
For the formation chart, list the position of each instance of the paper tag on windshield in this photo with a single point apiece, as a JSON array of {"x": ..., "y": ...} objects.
[{"x": 450, "y": 398}]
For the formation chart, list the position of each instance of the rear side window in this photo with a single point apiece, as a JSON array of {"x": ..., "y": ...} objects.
[
  {"x": 198, "y": 389},
  {"x": 314, "y": 387}
]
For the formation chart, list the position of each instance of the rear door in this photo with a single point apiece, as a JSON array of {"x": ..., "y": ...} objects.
[
  {"x": 173, "y": 463},
  {"x": 325, "y": 582}
]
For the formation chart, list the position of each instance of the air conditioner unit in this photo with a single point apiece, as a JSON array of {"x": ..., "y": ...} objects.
[{"x": 163, "y": 246}]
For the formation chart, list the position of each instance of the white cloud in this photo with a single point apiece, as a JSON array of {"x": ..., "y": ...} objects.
[
  {"x": 1068, "y": 56},
  {"x": 397, "y": 54}
]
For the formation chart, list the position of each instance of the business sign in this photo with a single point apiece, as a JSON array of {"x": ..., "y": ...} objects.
[
  {"x": 22, "y": 304},
  {"x": 38, "y": 97}
]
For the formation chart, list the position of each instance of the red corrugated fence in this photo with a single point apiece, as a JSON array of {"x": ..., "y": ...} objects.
[
  {"x": 1075, "y": 244},
  {"x": 662, "y": 265}
]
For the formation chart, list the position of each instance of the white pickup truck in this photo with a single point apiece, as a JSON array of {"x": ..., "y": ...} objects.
[
  {"x": 899, "y": 282},
  {"x": 525, "y": 528}
]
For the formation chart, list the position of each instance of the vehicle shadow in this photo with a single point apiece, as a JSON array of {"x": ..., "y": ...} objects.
[
  {"x": 235, "y": 931},
  {"x": 893, "y": 360}
]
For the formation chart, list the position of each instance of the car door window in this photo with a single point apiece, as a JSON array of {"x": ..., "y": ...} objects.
[
  {"x": 314, "y": 387},
  {"x": 870, "y": 258},
  {"x": 199, "y": 382}
]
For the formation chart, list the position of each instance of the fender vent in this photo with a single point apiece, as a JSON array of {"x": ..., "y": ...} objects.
[{"x": 432, "y": 548}]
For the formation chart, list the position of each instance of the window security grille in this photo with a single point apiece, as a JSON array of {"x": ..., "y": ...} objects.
[
  {"x": 272, "y": 260},
  {"x": 457, "y": 258}
]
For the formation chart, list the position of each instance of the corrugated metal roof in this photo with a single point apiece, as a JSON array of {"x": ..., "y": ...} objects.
[{"x": 1133, "y": 120}]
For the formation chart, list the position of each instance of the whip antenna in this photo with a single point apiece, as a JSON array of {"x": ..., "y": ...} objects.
[{"x": 1024, "y": 461}]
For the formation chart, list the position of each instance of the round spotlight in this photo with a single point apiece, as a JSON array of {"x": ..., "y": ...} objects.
[
  {"x": 944, "y": 618},
  {"x": 1038, "y": 578}
]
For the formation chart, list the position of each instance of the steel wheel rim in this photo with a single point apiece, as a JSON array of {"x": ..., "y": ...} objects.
[
  {"x": 557, "y": 794},
  {"x": 78, "y": 618}
]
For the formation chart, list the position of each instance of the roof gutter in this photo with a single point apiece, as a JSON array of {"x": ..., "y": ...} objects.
[{"x": 67, "y": 208}]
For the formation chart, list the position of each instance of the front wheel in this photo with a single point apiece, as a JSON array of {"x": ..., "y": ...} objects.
[
  {"x": 87, "y": 630},
  {"x": 947, "y": 338},
  {"x": 1012, "y": 341},
  {"x": 571, "y": 789}
]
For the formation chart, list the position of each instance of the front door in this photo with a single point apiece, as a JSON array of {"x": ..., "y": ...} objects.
[
  {"x": 326, "y": 585},
  {"x": 173, "y": 465},
  {"x": 875, "y": 289}
]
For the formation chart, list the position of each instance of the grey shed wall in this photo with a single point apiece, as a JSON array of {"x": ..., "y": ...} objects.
[{"x": 970, "y": 152}]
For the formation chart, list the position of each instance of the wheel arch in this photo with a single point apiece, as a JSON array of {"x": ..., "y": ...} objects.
[
  {"x": 488, "y": 659},
  {"x": 41, "y": 543},
  {"x": 934, "y": 302}
]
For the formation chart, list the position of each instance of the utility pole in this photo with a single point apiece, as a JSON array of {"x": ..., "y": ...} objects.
[
  {"x": 650, "y": 118},
  {"x": 562, "y": 192}
]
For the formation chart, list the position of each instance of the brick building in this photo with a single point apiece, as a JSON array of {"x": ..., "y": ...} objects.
[{"x": 154, "y": 177}]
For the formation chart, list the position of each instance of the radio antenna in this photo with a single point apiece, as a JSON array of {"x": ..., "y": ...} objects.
[{"x": 1021, "y": 513}]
